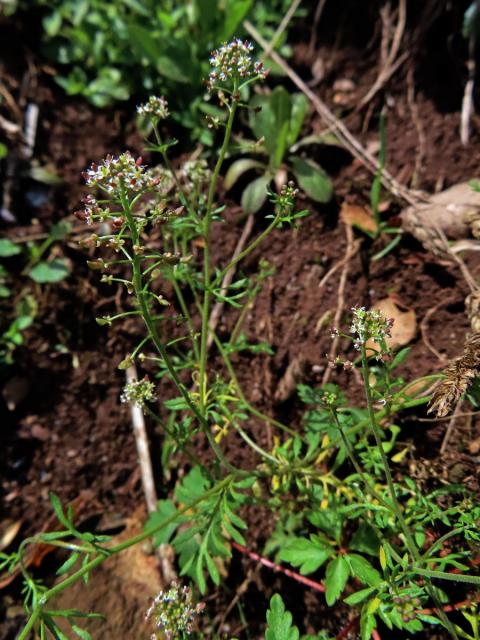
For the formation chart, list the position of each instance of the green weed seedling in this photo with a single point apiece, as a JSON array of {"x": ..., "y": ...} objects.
[
  {"x": 41, "y": 269},
  {"x": 276, "y": 121},
  {"x": 346, "y": 512}
]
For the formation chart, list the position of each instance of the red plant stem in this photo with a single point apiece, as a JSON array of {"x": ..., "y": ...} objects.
[
  {"x": 351, "y": 626},
  {"x": 317, "y": 586},
  {"x": 276, "y": 567}
]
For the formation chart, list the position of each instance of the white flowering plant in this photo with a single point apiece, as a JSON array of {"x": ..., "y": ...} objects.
[{"x": 339, "y": 511}]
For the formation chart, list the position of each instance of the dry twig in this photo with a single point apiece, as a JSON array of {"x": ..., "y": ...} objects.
[{"x": 390, "y": 63}]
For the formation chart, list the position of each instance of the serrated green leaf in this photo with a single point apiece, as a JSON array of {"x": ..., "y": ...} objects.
[
  {"x": 309, "y": 555},
  {"x": 165, "y": 509},
  {"x": 336, "y": 577},
  {"x": 365, "y": 540},
  {"x": 312, "y": 179},
  {"x": 279, "y": 621},
  {"x": 363, "y": 570}
]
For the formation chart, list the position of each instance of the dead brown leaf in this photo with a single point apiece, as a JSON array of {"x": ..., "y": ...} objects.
[
  {"x": 404, "y": 325},
  {"x": 358, "y": 217}
]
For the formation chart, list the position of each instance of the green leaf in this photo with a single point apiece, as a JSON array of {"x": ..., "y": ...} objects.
[
  {"x": 58, "y": 509},
  {"x": 299, "y": 110},
  {"x": 81, "y": 633},
  {"x": 3, "y": 150},
  {"x": 255, "y": 194},
  {"x": 238, "y": 168},
  {"x": 363, "y": 570},
  {"x": 212, "y": 568},
  {"x": 359, "y": 596},
  {"x": 108, "y": 86},
  {"x": 165, "y": 509},
  {"x": 48, "y": 272},
  {"x": 309, "y": 555},
  {"x": 68, "y": 564},
  {"x": 279, "y": 621},
  {"x": 8, "y": 248},
  {"x": 367, "y": 624},
  {"x": 234, "y": 15},
  {"x": 5, "y": 292},
  {"x": 312, "y": 179},
  {"x": 272, "y": 122},
  {"x": 365, "y": 540},
  {"x": 336, "y": 578}
]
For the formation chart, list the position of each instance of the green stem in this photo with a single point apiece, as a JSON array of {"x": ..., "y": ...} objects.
[
  {"x": 250, "y": 407},
  {"x": 206, "y": 257},
  {"x": 247, "y": 250},
  {"x": 184, "y": 308},
  {"x": 409, "y": 541},
  {"x": 412, "y": 547},
  {"x": 142, "y": 295},
  {"x": 95, "y": 562},
  {"x": 183, "y": 197},
  {"x": 443, "y": 575}
]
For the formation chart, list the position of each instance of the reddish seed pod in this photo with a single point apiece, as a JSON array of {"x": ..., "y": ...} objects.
[
  {"x": 81, "y": 215},
  {"x": 118, "y": 223}
]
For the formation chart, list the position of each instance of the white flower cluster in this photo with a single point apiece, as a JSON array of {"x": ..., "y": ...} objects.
[
  {"x": 368, "y": 325},
  {"x": 115, "y": 172},
  {"x": 139, "y": 392},
  {"x": 196, "y": 172},
  {"x": 156, "y": 107},
  {"x": 173, "y": 613},
  {"x": 233, "y": 60}
]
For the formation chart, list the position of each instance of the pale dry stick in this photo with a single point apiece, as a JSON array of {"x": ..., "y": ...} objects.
[
  {"x": 141, "y": 440},
  {"x": 420, "y": 155},
  {"x": 340, "y": 300},
  {"x": 146, "y": 471},
  {"x": 282, "y": 26},
  {"x": 9, "y": 127},
  {"x": 391, "y": 64},
  {"x": 316, "y": 21},
  {"x": 466, "y": 414},
  {"x": 342, "y": 132},
  {"x": 451, "y": 425},
  {"x": 424, "y": 329},
  {"x": 227, "y": 280},
  {"x": 468, "y": 106},
  {"x": 339, "y": 264},
  {"x": 469, "y": 279}
]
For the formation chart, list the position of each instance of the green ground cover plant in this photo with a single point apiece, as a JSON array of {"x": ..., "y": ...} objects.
[
  {"x": 38, "y": 267},
  {"x": 345, "y": 512},
  {"x": 112, "y": 51}
]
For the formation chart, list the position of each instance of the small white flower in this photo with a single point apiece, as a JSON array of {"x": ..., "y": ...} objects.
[{"x": 156, "y": 107}]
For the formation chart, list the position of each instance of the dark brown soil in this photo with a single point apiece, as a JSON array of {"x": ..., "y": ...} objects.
[{"x": 68, "y": 430}]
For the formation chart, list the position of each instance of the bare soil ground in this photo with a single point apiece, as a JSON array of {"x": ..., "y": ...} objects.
[{"x": 68, "y": 431}]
